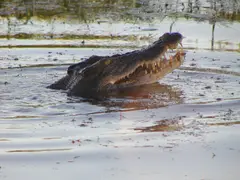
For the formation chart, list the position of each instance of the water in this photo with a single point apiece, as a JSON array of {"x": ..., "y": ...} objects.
[{"x": 184, "y": 127}]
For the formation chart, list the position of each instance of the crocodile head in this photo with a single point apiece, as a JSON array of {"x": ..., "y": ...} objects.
[{"x": 103, "y": 75}]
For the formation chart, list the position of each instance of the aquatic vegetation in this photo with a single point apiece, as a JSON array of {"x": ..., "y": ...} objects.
[
  {"x": 112, "y": 20},
  {"x": 87, "y": 11}
]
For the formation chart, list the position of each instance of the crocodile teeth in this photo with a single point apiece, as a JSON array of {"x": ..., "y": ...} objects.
[{"x": 153, "y": 67}]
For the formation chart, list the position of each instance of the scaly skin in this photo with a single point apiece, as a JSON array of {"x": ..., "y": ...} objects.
[{"x": 102, "y": 75}]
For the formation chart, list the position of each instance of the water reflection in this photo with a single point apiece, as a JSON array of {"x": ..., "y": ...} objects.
[{"x": 143, "y": 97}]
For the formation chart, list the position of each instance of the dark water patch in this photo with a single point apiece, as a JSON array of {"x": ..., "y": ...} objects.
[
  {"x": 21, "y": 117},
  {"x": 50, "y": 138},
  {"x": 42, "y": 65},
  {"x": 4, "y": 140},
  {"x": 165, "y": 125},
  {"x": 66, "y": 46},
  {"x": 37, "y": 150},
  {"x": 224, "y": 123}
]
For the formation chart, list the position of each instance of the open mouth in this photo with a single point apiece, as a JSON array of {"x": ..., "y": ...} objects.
[
  {"x": 154, "y": 69},
  {"x": 141, "y": 70}
]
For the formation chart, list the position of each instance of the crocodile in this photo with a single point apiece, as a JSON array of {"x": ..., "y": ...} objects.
[{"x": 100, "y": 76}]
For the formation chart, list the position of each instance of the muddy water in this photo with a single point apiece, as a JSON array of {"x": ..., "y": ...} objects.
[{"x": 184, "y": 127}]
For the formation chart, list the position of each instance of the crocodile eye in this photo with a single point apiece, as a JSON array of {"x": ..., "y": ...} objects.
[{"x": 108, "y": 61}]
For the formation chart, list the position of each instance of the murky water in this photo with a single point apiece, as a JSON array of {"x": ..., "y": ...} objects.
[{"x": 184, "y": 127}]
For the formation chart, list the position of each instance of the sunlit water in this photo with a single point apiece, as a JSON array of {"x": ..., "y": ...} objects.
[{"x": 184, "y": 127}]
